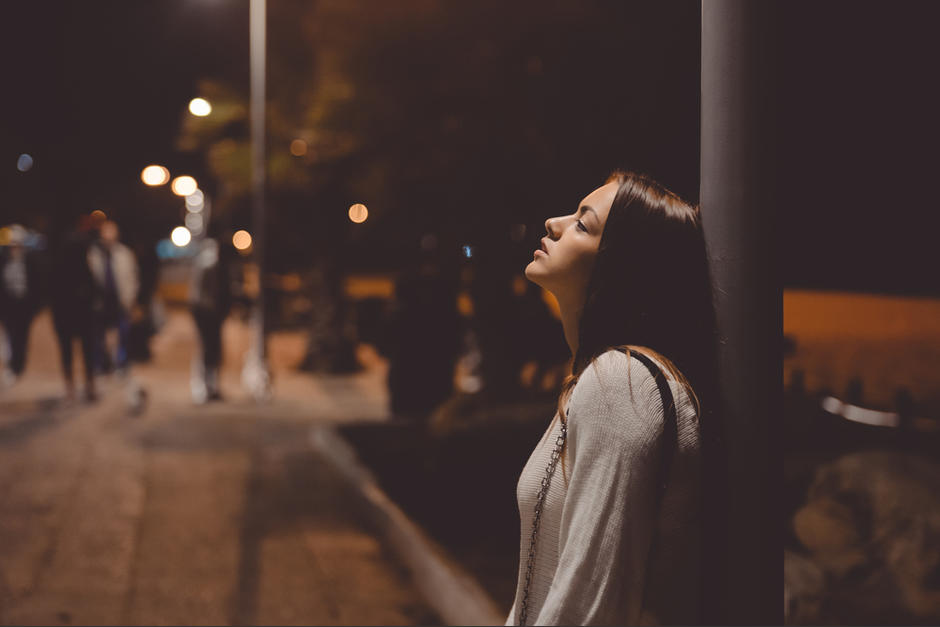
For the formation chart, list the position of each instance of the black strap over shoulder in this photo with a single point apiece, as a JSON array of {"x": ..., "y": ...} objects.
[
  {"x": 670, "y": 424},
  {"x": 670, "y": 442}
]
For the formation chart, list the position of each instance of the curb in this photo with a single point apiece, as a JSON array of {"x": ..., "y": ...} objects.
[{"x": 450, "y": 590}]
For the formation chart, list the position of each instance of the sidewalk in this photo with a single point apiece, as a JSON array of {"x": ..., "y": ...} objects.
[{"x": 217, "y": 514}]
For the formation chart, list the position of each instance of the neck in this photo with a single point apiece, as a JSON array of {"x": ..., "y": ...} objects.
[{"x": 570, "y": 320}]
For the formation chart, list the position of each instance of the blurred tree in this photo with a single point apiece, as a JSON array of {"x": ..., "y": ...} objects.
[{"x": 456, "y": 119}]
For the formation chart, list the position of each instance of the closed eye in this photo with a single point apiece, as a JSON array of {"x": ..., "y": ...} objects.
[{"x": 581, "y": 226}]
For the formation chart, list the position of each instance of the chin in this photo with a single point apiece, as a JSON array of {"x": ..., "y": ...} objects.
[{"x": 533, "y": 274}]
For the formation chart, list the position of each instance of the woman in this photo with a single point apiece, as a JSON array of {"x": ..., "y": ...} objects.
[{"x": 615, "y": 536}]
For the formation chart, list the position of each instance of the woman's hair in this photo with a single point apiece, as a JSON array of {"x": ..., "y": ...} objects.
[{"x": 650, "y": 291}]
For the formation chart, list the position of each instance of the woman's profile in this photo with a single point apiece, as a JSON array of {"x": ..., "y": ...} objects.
[{"x": 610, "y": 500}]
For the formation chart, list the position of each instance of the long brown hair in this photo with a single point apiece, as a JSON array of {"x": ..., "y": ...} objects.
[{"x": 650, "y": 291}]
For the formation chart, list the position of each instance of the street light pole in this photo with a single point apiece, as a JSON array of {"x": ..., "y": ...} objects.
[
  {"x": 739, "y": 218},
  {"x": 255, "y": 375}
]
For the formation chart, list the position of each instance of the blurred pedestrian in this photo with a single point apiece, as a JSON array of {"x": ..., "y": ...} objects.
[
  {"x": 114, "y": 270},
  {"x": 617, "y": 534},
  {"x": 210, "y": 299},
  {"x": 71, "y": 296},
  {"x": 144, "y": 323},
  {"x": 19, "y": 300},
  {"x": 423, "y": 341}
]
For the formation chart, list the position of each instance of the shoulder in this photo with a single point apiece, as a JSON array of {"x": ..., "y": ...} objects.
[
  {"x": 617, "y": 391},
  {"x": 614, "y": 373}
]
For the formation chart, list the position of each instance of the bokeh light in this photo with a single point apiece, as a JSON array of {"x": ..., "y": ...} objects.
[
  {"x": 155, "y": 175},
  {"x": 181, "y": 236},
  {"x": 195, "y": 201},
  {"x": 358, "y": 213},
  {"x": 193, "y": 222},
  {"x": 25, "y": 162},
  {"x": 298, "y": 148},
  {"x": 99, "y": 215},
  {"x": 241, "y": 240},
  {"x": 184, "y": 185},
  {"x": 200, "y": 107}
]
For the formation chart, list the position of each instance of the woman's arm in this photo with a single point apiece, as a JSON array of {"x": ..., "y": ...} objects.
[{"x": 610, "y": 507}]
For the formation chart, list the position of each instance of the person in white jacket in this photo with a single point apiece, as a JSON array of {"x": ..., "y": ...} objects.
[
  {"x": 613, "y": 523},
  {"x": 113, "y": 268}
]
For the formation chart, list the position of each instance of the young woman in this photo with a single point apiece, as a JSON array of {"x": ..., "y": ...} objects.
[{"x": 610, "y": 500}]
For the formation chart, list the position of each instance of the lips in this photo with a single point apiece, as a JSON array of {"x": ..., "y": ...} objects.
[{"x": 543, "y": 246}]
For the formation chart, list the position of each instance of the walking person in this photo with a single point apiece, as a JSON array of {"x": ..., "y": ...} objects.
[
  {"x": 613, "y": 529},
  {"x": 71, "y": 296},
  {"x": 19, "y": 300},
  {"x": 210, "y": 299},
  {"x": 114, "y": 270}
]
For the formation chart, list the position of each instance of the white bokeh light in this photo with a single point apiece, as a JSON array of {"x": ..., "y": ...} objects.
[
  {"x": 200, "y": 107},
  {"x": 155, "y": 175},
  {"x": 184, "y": 185},
  {"x": 181, "y": 236}
]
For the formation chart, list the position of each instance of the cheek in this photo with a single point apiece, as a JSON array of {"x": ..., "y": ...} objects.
[{"x": 576, "y": 265}]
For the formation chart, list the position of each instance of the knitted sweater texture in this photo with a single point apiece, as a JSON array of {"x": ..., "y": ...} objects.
[{"x": 606, "y": 554}]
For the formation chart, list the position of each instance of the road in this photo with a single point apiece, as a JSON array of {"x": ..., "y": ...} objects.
[{"x": 186, "y": 514}]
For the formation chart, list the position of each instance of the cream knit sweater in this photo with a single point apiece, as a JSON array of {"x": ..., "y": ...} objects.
[{"x": 599, "y": 520}]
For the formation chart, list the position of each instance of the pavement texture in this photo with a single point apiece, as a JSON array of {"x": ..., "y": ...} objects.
[{"x": 189, "y": 514}]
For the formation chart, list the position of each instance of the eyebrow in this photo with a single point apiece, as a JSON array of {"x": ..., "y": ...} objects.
[{"x": 585, "y": 208}]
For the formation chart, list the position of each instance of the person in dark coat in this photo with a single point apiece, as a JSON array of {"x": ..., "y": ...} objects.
[
  {"x": 19, "y": 299},
  {"x": 71, "y": 296},
  {"x": 210, "y": 299}
]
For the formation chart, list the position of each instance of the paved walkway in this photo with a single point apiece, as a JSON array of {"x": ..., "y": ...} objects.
[{"x": 217, "y": 514}]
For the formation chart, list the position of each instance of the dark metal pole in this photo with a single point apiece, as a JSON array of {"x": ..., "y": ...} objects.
[{"x": 739, "y": 215}]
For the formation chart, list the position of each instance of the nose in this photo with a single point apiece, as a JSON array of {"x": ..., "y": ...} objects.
[{"x": 550, "y": 227}]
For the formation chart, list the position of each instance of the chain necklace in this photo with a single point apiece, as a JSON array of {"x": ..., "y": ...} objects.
[{"x": 539, "y": 500}]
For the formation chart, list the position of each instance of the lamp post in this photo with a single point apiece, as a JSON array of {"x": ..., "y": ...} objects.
[
  {"x": 737, "y": 198},
  {"x": 255, "y": 375}
]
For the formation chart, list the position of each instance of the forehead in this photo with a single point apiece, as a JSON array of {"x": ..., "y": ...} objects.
[{"x": 601, "y": 199}]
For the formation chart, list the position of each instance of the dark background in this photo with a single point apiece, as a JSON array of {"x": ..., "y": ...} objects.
[{"x": 96, "y": 90}]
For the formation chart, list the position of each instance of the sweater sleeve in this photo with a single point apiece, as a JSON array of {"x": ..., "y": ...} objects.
[{"x": 608, "y": 514}]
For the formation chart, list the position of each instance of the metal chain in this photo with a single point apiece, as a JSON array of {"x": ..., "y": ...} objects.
[{"x": 539, "y": 500}]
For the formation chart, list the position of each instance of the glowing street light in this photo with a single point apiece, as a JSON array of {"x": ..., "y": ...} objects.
[
  {"x": 184, "y": 185},
  {"x": 358, "y": 213},
  {"x": 193, "y": 222},
  {"x": 180, "y": 236},
  {"x": 298, "y": 148},
  {"x": 195, "y": 201},
  {"x": 241, "y": 240},
  {"x": 155, "y": 175},
  {"x": 200, "y": 107}
]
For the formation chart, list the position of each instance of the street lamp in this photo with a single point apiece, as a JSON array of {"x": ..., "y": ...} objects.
[
  {"x": 184, "y": 185},
  {"x": 195, "y": 201},
  {"x": 241, "y": 240},
  {"x": 200, "y": 107},
  {"x": 255, "y": 374},
  {"x": 154, "y": 175},
  {"x": 181, "y": 236},
  {"x": 358, "y": 213}
]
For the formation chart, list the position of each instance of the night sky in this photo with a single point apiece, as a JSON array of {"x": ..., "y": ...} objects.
[{"x": 96, "y": 90}]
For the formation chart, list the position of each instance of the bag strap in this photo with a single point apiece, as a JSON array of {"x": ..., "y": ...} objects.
[
  {"x": 670, "y": 435},
  {"x": 670, "y": 425}
]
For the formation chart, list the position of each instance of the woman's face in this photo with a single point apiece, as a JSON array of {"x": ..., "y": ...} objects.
[{"x": 564, "y": 263}]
